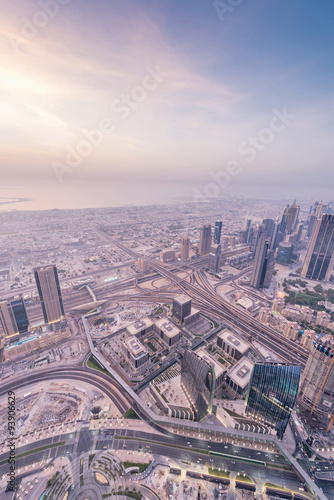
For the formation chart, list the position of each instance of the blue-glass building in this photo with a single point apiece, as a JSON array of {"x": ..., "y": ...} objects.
[
  {"x": 13, "y": 317},
  {"x": 49, "y": 292},
  {"x": 272, "y": 394},
  {"x": 218, "y": 232}
]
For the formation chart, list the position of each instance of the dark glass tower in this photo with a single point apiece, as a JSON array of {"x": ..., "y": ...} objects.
[
  {"x": 49, "y": 292},
  {"x": 13, "y": 317},
  {"x": 319, "y": 260},
  {"x": 198, "y": 382},
  {"x": 272, "y": 394},
  {"x": 218, "y": 232}
]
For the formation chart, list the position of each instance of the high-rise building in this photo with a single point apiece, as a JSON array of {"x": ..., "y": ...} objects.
[
  {"x": 181, "y": 307},
  {"x": 198, "y": 381},
  {"x": 292, "y": 219},
  {"x": 312, "y": 221},
  {"x": 269, "y": 226},
  {"x": 263, "y": 265},
  {"x": 317, "y": 382},
  {"x": 257, "y": 232},
  {"x": 319, "y": 260},
  {"x": 205, "y": 240},
  {"x": 215, "y": 258},
  {"x": 284, "y": 219},
  {"x": 284, "y": 253},
  {"x": 49, "y": 292},
  {"x": 248, "y": 230},
  {"x": 218, "y": 232},
  {"x": 185, "y": 247},
  {"x": 13, "y": 317},
  {"x": 272, "y": 394}
]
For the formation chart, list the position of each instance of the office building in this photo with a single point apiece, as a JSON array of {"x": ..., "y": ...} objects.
[
  {"x": 185, "y": 247},
  {"x": 198, "y": 381},
  {"x": 232, "y": 345},
  {"x": 215, "y": 258},
  {"x": 144, "y": 265},
  {"x": 13, "y": 317},
  {"x": 238, "y": 377},
  {"x": 220, "y": 370},
  {"x": 272, "y": 394},
  {"x": 167, "y": 255},
  {"x": 263, "y": 265},
  {"x": 140, "y": 327},
  {"x": 317, "y": 382},
  {"x": 312, "y": 221},
  {"x": 205, "y": 240},
  {"x": 257, "y": 233},
  {"x": 218, "y": 232},
  {"x": 167, "y": 331},
  {"x": 292, "y": 219},
  {"x": 136, "y": 353},
  {"x": 319, "y": 260},
  {"x": 284, "y": 253},
  {"x": 181, "y": 307},
  {"x": 269, "y": 226},
  {"x": 49, "y": 292},
  {"x": 284, "y": 219}
]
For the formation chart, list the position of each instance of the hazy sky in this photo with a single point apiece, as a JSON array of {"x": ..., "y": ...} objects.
[{"x": 179, "y": 89}]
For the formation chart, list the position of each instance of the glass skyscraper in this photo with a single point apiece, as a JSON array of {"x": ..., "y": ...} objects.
[
  {"x": 49, "y": 292},
  {"x": 272, "y": 394},
  {"x": 218, "y": 232},
  {"x": 319, "y": 260},
  {"x": 13, "y": 317},
  {"x": 198, "y": 381}
]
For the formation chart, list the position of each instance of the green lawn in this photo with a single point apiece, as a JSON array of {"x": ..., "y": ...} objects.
[
  {"x": 141, "y": 466},
  {"x": 244, "y": 479},
  {"x": 219, "y": 473},
  {"x": 151, "y": 346},
  {"x": 92, "y": 362},
  {"x": 130, "y": 413}
]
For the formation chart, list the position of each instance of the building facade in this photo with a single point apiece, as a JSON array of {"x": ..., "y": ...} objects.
[
  {"x": 49, "y": 292},
  {"x": 13, "y": 317},
  {"x": 181, "y": 307},
  {"x": 272, "y": 394},
  {"x": 185, "y": 247},
  {"x": 205, "y": 240},
  {"x": 319, "y": 260},
  {"x": 218, "y": 232},
  {"x": 198, "y": 382},
  {"x": 317, "y": 382}
]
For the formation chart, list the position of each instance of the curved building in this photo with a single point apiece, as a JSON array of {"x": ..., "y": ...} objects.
[
  {"x": 272, "y": 394},
  {"x": 284, "y": 253},
  {"x": 198, "y": 381}
]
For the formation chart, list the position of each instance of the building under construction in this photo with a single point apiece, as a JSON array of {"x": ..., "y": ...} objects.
[{"x": 317, "y": 383}]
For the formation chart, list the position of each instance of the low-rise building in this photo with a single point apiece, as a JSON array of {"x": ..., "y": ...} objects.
[
  {"x": 140, "y": 327},
  {"x": 238, "y": 377},
  {"x": 167, "y": 331},
  {"x": 291, "y": 330},
  {"x": 135, "y": 352},
  {"x": 307, "y": 314},
  {"x": 265, "y": 315},
  {"x": 322, "y": 319},
  {"x": 232, "y": 345}
]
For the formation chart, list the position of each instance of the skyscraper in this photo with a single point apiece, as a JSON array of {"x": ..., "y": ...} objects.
[
  {"x": 319, "y": 260},
  {"x": 48, "y": 287},
  {"x": 198, "y": 381},
  {"x": 269, "y": 226},
  {"x": 284, "y": 219},
  {"x": 272, "y": 394},
  {"x": 292, "y": 219},
  {"x": 312, "y": 221},
  {"x": 317, "y": 382},
  {"x": 215, "y": 258},
  {"x": 181, "y": 307},
  {"x": 13, "y": 317},
  {"x": 205, "y": 240},
  {"x": 218, "y": 232},
  {"x": 263, "y": 265},
  {"x": 185, "y": 247}
]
